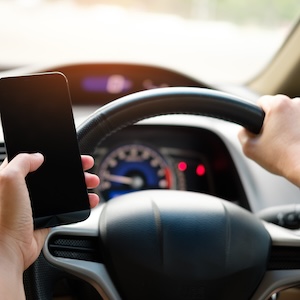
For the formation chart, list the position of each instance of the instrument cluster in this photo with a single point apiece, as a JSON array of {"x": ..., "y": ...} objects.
[{"x": 167, "y": 157}]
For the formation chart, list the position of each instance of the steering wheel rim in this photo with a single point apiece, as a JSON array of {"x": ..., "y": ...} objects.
[
  {"x": 130, "y": 109},
  {"x": 175, "y": 100}
]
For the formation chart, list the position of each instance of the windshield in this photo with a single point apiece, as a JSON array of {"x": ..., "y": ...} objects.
[{"x": 215, "y": 40}]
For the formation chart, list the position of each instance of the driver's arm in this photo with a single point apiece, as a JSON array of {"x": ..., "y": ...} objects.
[
  {"x": 20, "y": 245},
  {"x": 277, "y": 147}
]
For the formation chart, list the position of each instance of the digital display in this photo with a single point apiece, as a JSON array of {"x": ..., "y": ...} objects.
[
  {"x": 113, "y": 84},
  {"x": 98, "y": 84}
]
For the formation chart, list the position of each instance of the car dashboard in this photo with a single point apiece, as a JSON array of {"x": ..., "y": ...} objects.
[{"x": 180, "y": 152}]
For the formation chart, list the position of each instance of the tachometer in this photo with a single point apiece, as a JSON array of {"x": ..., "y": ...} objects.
[{"x": 132, "y": 168}]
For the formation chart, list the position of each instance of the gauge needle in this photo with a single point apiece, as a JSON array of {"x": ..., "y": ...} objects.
[
  {"x": 135, "y": 182},
  {"x": 119, "y": 179}
]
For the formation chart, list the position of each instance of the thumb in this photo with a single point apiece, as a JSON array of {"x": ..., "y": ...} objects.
[
  {"x": 25, "y": 163},
  {"x": 247, "y": 140}
]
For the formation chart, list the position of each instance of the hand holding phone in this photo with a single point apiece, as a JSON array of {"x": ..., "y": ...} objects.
[{"x": 36, "y": 115}]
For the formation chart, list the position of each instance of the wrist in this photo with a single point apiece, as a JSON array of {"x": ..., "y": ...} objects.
[
  {"x": 292, "y": 172},
  {"x": 11, "y": 278}
]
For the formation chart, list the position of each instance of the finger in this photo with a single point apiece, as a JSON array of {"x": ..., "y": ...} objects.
[
  {"x": 297, "y": 100},
  {"x": 25, "y": 163},
  {"x": 248, "y": 141},
  {"x": 91, "y": 180},
  {"x": 245, "y": 136},
  {"x": 272, "y": 102},
  {"x": 87, "y": 162},
  {"x": 265, "y": 102},
  {"x": 94, "y": 200}
]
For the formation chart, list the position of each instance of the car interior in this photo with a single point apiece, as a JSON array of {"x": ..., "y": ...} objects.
[{"x": 183, "y": 213}]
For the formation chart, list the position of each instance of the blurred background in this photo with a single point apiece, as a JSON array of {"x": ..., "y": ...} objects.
[{"x": 214, "y": 40}]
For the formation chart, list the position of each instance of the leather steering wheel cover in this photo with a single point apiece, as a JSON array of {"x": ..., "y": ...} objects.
[{"x": 174, "y": 100}]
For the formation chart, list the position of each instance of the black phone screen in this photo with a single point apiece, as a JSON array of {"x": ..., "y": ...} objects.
[{"x": 36, "y": 115}]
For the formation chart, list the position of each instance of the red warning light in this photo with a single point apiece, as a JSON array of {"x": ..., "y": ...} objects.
[
  {"x": 182, "y": 166},
  {"x": 200, "y": 171}
]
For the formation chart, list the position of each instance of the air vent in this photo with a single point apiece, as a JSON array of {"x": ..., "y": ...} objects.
[
  {"x": 75, "y": 247},
  {"x": 284, "y": 258},
  {"x": 2, "y": 152}
]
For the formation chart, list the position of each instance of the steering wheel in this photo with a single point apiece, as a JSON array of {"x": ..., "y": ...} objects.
[{"x": 163, "y": 244}]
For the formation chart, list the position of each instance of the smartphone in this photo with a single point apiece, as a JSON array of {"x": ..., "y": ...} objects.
[{"x": 36, "y": 115}]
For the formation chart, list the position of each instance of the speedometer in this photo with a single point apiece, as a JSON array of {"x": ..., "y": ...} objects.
[{"x": 134, "y": 167}]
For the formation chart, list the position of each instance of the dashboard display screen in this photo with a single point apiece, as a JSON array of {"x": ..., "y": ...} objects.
[
  {"x": 113, "y": 84},
  {"x": 98, "y": 84}
]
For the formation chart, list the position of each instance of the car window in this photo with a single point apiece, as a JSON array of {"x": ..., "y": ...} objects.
[{"x": 216, "y": 40}]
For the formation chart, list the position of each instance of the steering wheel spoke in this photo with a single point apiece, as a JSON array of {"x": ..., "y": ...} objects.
[
  {"x": 76, "y": 249},
  {"x": 283, "y": 269}
]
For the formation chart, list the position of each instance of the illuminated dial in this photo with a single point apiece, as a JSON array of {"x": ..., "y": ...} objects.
[{"x": 132, "y": 168}]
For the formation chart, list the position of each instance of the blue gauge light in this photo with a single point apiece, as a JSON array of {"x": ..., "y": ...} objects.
[{"x": 131, "y": 168}]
